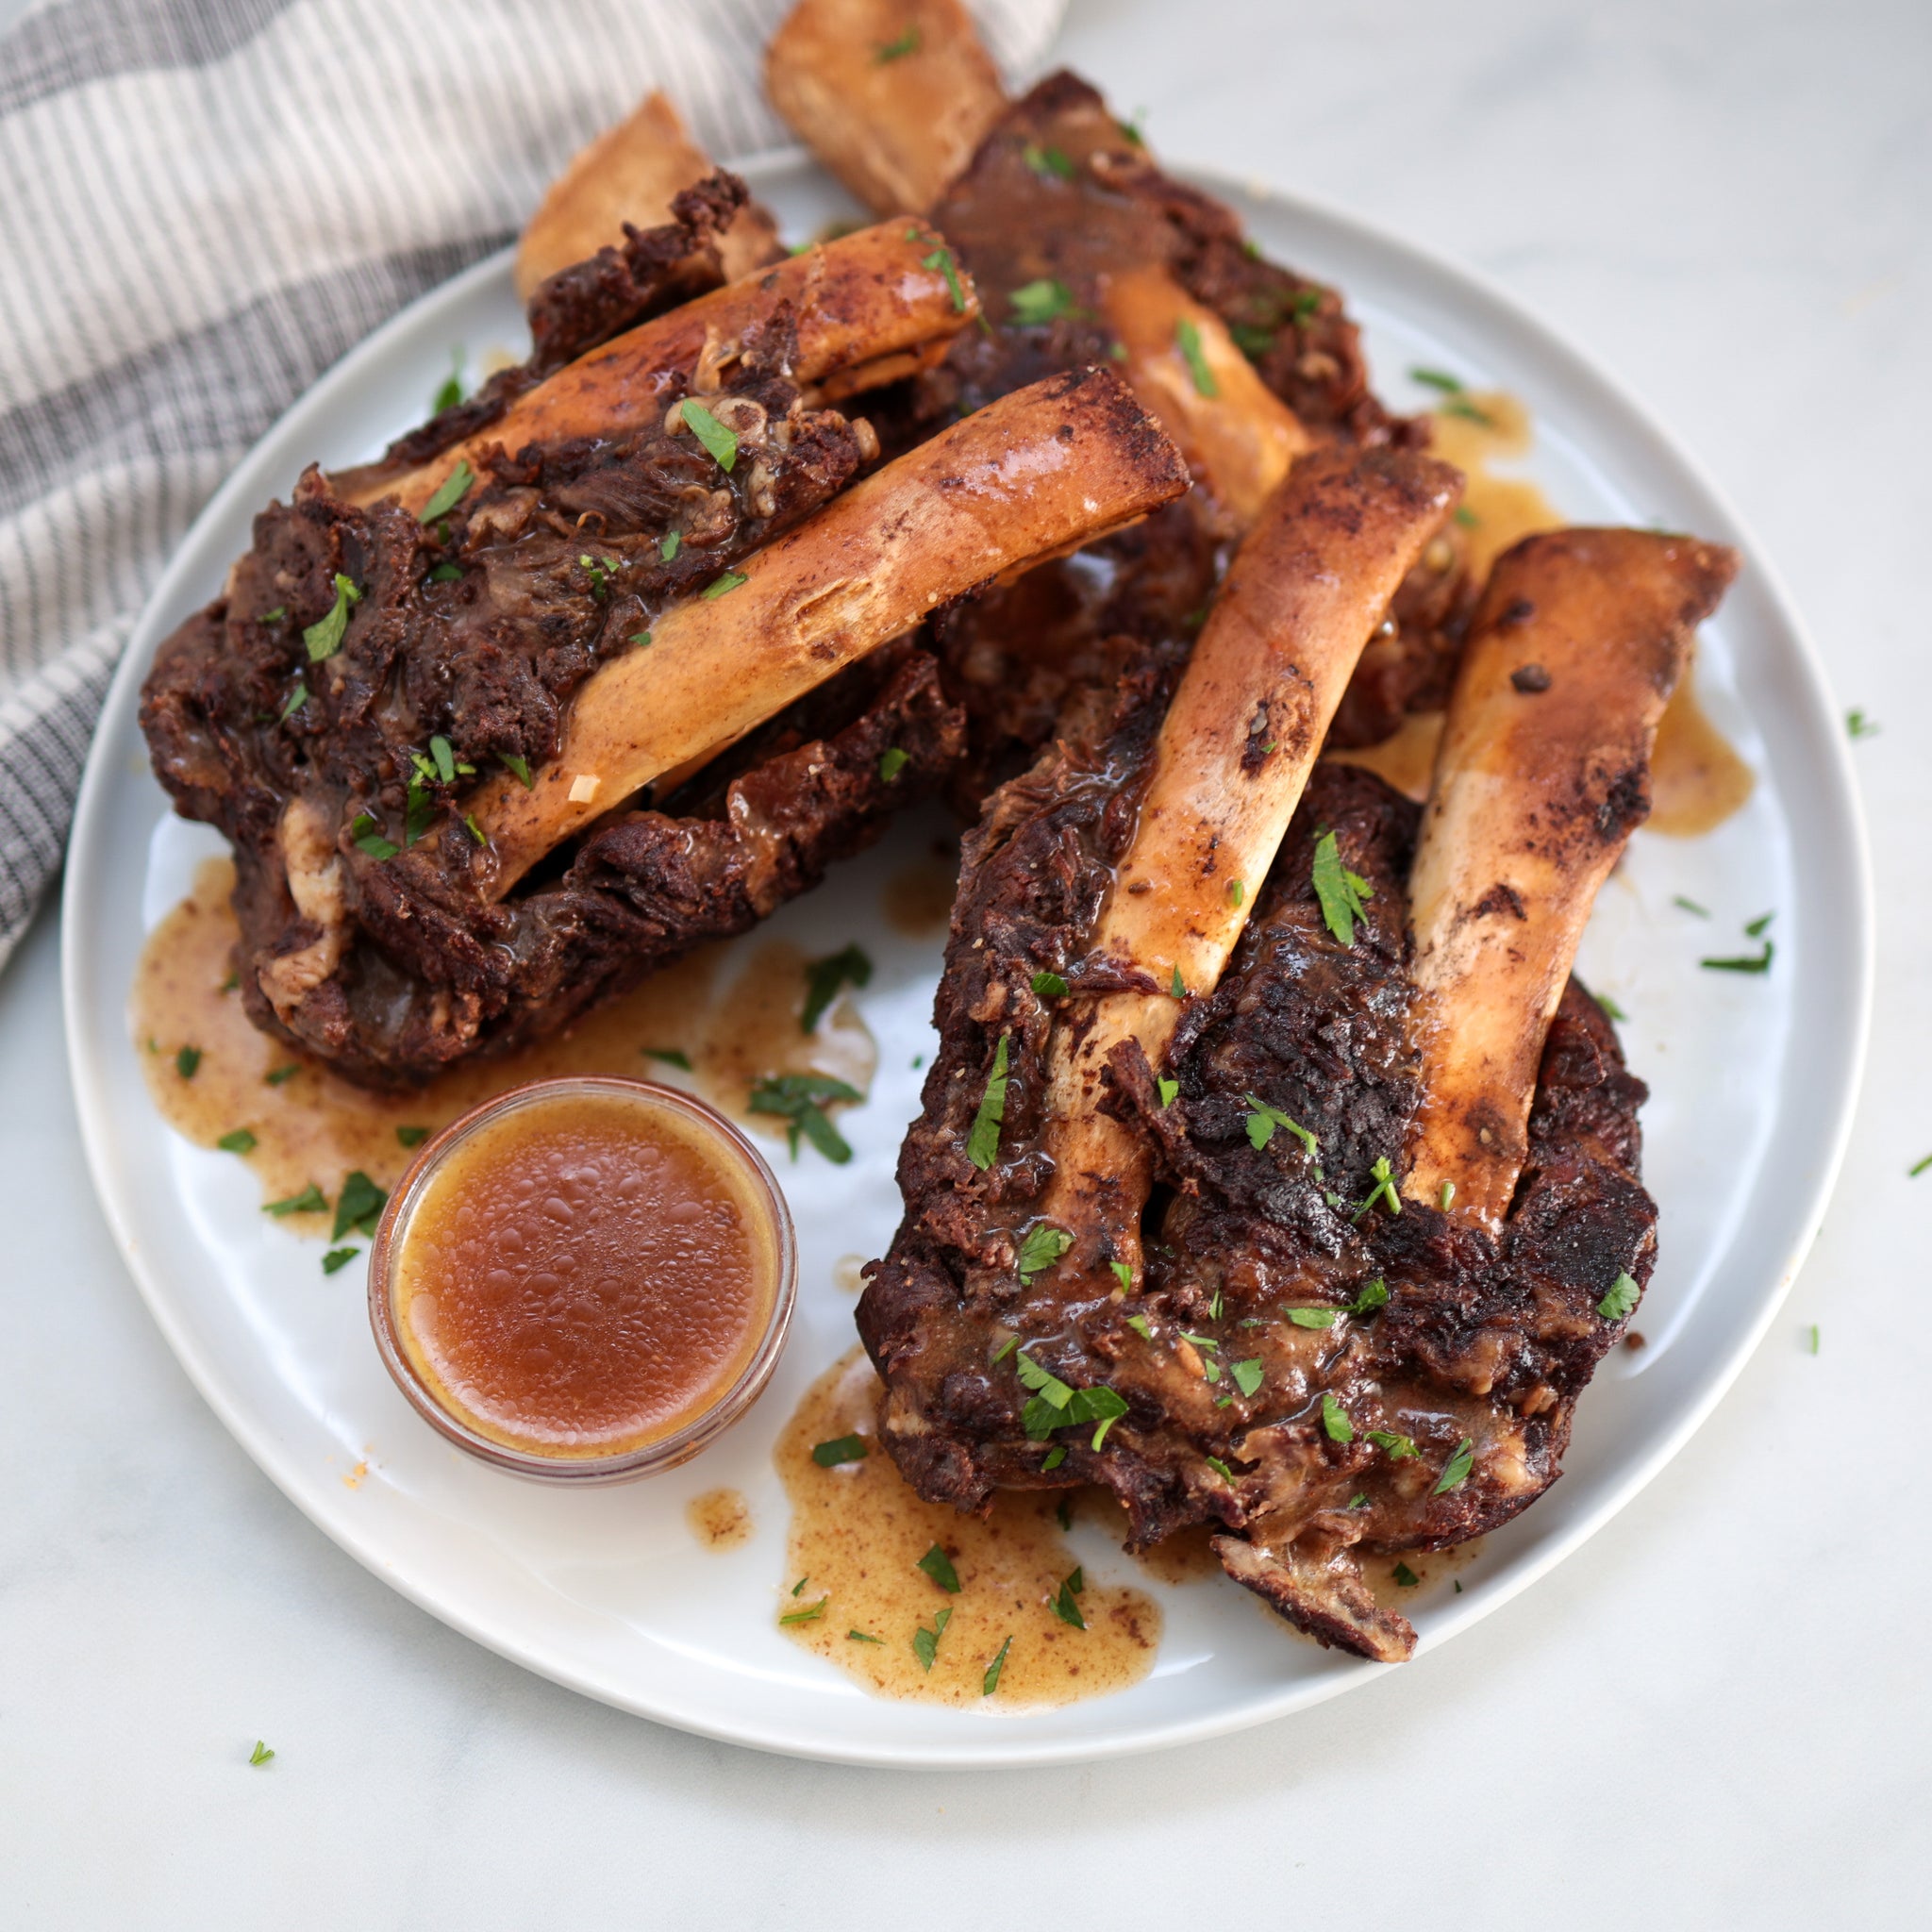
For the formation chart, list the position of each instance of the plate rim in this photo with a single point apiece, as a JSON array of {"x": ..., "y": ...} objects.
[{"x": 1851, "y": 960}]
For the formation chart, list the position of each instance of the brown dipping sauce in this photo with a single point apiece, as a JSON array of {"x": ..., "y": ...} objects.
[{"x": 585, "y": 1273}]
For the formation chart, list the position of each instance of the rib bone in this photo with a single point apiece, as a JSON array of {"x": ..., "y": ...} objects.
[
  {"x": 869, "y": 307},
  {"x": 1542, "y": 776},
  {"x": 1302, "y": 598},
  {"x": 1042, "y": 469},
  {"x": 891, "y": 95},
  {"x": 629, "y": 173}
]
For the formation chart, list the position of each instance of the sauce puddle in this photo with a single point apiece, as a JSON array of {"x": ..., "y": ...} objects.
[
  {"x": 719, "y": 1519},
  {"x": 311, "y": 1128},
  {"x": 1698, "y": 780},
  {"x": 858, "y": 1535}
]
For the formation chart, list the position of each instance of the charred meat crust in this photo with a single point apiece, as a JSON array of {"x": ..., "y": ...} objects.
[{"x": 1487, "y": 1339}]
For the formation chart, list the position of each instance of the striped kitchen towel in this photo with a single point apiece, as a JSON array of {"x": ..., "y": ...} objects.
[{"x": 203, "y": 204}]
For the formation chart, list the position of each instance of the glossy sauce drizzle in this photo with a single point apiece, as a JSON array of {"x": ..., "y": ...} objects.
[
  {"x": 1698, "y": 780},
  {"x": 310, "y": 1127},
  {"x": 858, "y": 1535}
]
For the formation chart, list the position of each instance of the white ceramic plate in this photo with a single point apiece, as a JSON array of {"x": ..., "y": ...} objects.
[{"x": 1753, "y": 1083}]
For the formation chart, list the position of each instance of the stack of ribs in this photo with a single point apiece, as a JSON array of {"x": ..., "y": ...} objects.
[{"x": 1275, "y": 1171}]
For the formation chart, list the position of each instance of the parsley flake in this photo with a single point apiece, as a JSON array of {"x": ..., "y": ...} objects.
[
  {"x": 275, "y": 616},
  {"x": 1918, "y": 1167},
  {"x": 824, "y": 977},
  {"x": 519, "y": 769},
  {"x": 311, "y": 1200},
  {"x": 1263, "y": 1120},
  {"x": 1247, "y": 1375},
  {"x": 238, "y": 1142},
  {"x": 1137, "y": 1323},
  {"x": 1179, "y": 987},
  {"x": 1756, "y": 929},
  {"x": 1374, "y": 1294},
  {"x": 1748, "y": 962},
  {"x": 297, "y": 698},
  {"x": 939, "y": 1566},
  {"x": 809, "y": 1614},
  {"x": 1064, "y": 1607},
  {"x": 275, "y": 1076},
  {"x": 1335, "y": 1423},
  {"x": 799, "y": 1100},
  {"x": 1437, "y": 379},
  {"x": 723, "y": 586},
  {"x": 359, "y": 1204},
  {"x": 1313, "y": 1318},
  {"x": 906, "y": 44},
  {"x": 1047, "y": 162},
  {"x": 1620, "y": 1300},
  {"x": 412, "y": 1137},
  {"x": 1222, "y": 1470},
  {"x": 261, "y": 1754},
  {"x": 1038, "y": 303},
  {"x": 1167, "y": 1089},
  {"x": 991, "y": 1682},
  {"x": 670, "y": 543},
  {"x": 670, "y": 1056},
  {"x": 337, "y": 1258},
  {"x": 1049, "y": 986},
  {"x": 449, "y": 492},
  {"x": 1398, "y": 1448},
  {"x": 1857, "y": 725},
  {"x": 323, "y": 637},
  {"x": 367, "y": 837},
  {"x": 1044, "y": 1244},
  {"x": 718, "y": 438},
  {"x": 925, "y": 1644},
  {"x": 1611, "y": 1009},
  {"x": 839, "y": 1449},
  {"x": 187, "y": 1062},
  {"x": 1689, "y": 906},
  {"x": 451, "y": 391},
  {"x": 1455, "y": 1471},
  {"x": 1054, "y": 1457},
  {"x": 983, "y": 1142},
  {"x": 1342, "y": 892},
  {"x": 891, "y": 762},
  {"x": 941, "y": 258},
  {"x": 1124, "y": 1273},
  {"x": 446, "y": 571},
  {"x": 1404, "y": 1576},
  {"x": 1187, "y": 339},
  {"x": 1383, "y": 1189},
  {"x": 863, "y": 1636}
]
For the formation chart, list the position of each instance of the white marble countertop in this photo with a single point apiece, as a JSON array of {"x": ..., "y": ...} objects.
[{"x": 1714, "y": 1714}]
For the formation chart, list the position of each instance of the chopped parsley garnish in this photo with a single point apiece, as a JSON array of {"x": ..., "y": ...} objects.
[
  {"x": 1856, "y": 724},
  {"x": 1063, "y": 1510},
  {"x": 1137, "y": 1323},
  {"x": 275, "y": 1076},
  {"x": 1335, "y": 1423},
  {"x": 1313, "y": 1318},
  {"x": 1124, "y": 1273},
  {"x": 600, "y": 575},
  {"x": 311, "y": 1200},
  {"x": 1003, "y": 1350},
  {"x": 275, "y": 616},
  {"x": 1747, "y": 962},
  {"x": 1247, "y": 1375},
  {"x": 824, "y": 977},
  {"x": 983, "y": 1142},
  {"x": 1235, "y": 890},
  {"x": 1044, "y": 1244},
  {"x": 358, "y": 1205},
  {"x": 1611, "y": 1009},
  {"x": 723, "y": 586},
  {"x": 906, "y": 44},
  {"x": 445, "y": 572},
  {"x": 941, "y": 258},
  {"x": 1222, "y": 1470},
  {"x": 412, "y": 1137},
  {"x": 451, "y": 391},
  {"x": 1383, "y": 1189},
  {"x": 1200, "y": 1341},
  {"x": 839, "y": 1449},
  {"x": 1461, "y": 405},
  {"x": 670, "y": 543},
  {"x": 1054, "y": 1457},
  {"x": 297, "y": 698},
  {"x": 1756, "y": 929},
  {"x": 1465, "y": 516},
  {"x": 925, "y": 1644},
  {"x": 799, "y": 1100},
  {"x": 1341, "y": 891},
  {"x": 1374, "y": 1294},
  {"x": 863, "y": 1636},
  {"x": 261, "y": 1754},
  {"x": 638, "y": 637},
  {"x": 449, "y": 492},
  {"x": 1251, "y": 340},
  {"x": 1437, "y": 379},
  {"x": 368, "y": 838},
  {"x": 1179, "y": 987},
  {"x": 718, "y": 438},
  {"x": 991, "y": 1682},
  {"x": 1064, "y": 1607},
  {"x": 238, "y": 1142},
  {"x": 325, "y": 636},
  {"x": 445, "y": 759},
  {"x": 798, "y": 1588},
  {"x": 1187, "y": 339},
  {"x": 670, "y": 1056},
  {"x": 891, "y": 762},
  {"x": 1620, "y": 1300},
  {"x": 187, "y": 1062},
  {"x": 1446, "y": 1198},
  {"x": 809, "y": 1614},
  {"x": 1455, "y": 1471},
  {"x": 1048, "y": 162},
  {"x": 939, "y": 1566},
  {"x": 1263, "y": 1120},
  {"x": 518, "y": 767},
  {"x": 1397, "y": 1447},
  {"x": 1057, "y": 1406},
  {"x": 1689, "y": 906},
  {"x": 337, "y": 1258},
  {"x": 1049, "y": 986},
  {"x": 1918, "y": 1167},
  {"x": 1167, "y": 1089},
  {"x": 1404, "y": 1576},
  {"x": 1359, "y": 1501},
  {"x": 1814, "y": 1337},
  {"x": 1041, "y": 302}
]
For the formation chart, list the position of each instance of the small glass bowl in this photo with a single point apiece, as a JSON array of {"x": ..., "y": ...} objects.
[{"x": 649, "y": 1459}]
